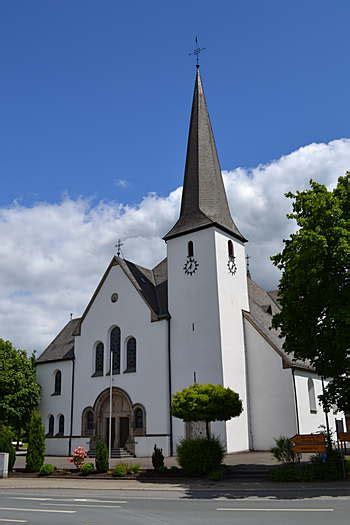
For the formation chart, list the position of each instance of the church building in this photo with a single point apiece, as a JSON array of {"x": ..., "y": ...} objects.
[{"x": 197, "y": 316}]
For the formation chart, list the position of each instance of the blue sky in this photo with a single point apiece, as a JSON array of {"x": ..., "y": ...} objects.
[
  {"x": 93, "y": 92},
  {"x": 95, "y": 100}
]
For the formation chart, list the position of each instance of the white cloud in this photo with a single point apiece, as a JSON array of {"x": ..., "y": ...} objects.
[
  {"x": 53, "y": 255},
  {"x": 122, "y": 183}
]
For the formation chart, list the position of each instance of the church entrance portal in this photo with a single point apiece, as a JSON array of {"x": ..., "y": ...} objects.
[{"x": 121, "y": 417}]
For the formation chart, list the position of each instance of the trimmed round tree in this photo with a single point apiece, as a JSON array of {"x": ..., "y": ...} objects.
[{"x": 206, "y": 403}]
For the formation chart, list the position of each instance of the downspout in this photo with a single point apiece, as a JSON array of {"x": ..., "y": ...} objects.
[
  {"x": 249, "y": 414},
  {"x": 71, "y": 409},
  {"x": 325, "y": 410},
  {"x": 296, "y": 402},
  {"x": 170, "y": 390}
]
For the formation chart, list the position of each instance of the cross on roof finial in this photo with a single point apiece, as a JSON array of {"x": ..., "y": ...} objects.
[
  {"x": 196, "y": 51},
  {"x": 119, "y": 247}
]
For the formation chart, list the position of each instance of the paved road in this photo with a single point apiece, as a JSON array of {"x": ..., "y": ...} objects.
[{"x": 170, "y": 507}]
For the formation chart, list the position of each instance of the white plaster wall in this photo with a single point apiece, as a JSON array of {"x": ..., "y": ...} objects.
[
  {"x": 149, "y": 384},
  {"x": 233, "y": 297},
  {"x": 144, "y": 446},
  {"x": 194, "y": 310},
  {"x": 271, "y": 392},
  {"x": 55, "y": 405},
  {"x": 80, "y": 442},
  {"x": 57, "y": 446},
  {"x": 308, "y": 422}
]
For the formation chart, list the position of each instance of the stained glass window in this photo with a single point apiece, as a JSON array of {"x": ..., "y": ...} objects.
[
  {"x": 61, "y": 425},
  {"x": 99, "y": 359},
  {"x": 131, "y": 355},
  {"x": 115, "y": 349},
  {"x": 90, "y": 423},
  {"x": 138, "y": 417},
  {"x": 58, "y": 383},
  {"x": 51, "y": 425}
]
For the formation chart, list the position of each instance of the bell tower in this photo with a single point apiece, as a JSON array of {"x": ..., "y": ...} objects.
[{"x": 207, "y": 280}]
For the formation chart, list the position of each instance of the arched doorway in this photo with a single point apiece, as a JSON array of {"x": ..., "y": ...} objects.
[{"x": 121, "y": 417}]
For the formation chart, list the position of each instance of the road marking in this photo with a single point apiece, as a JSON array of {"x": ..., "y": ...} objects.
[
  {"x": 38, "y": 510},
  {"x": 240, "y": 509},
  {"x": 72, "y": 499},
  {"x": 13, "y": 521},
  {"x": 81, "y": 505}
]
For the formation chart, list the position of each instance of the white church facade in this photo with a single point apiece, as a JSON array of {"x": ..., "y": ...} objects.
[{"x": 197, "y": 316}]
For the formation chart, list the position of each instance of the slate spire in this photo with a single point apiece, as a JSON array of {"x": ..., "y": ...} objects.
[{"x": 204, "y": 202}]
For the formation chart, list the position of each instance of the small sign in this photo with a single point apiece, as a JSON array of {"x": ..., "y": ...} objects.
[
  {"x": 308, "y": 438},
  {"x": 308, "y": 443},
  {"x": 344, "y": 436},
  {"x": 309, "y": 448}
]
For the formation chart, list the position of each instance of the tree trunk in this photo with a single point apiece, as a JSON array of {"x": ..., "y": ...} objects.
[{"x": 207, "y": 429}]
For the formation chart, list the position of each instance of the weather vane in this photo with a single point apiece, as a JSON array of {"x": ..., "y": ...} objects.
[
  {"x": 197, "y": 51},
  {"x": 119, "y": 247}
]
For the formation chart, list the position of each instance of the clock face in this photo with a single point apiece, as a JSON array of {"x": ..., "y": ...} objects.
[
  {"x": 190, "y": 266},
  {"x": 231, "y": 265}
]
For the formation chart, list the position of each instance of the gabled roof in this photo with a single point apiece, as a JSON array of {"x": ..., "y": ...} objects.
[
  {"x": 262, "y": 306},
  {"x": 152, "y": 285},
  {"x": 145, "y": 284},
  {"x": 204, "y": 202},
  {"x": 62, "y": 347}
]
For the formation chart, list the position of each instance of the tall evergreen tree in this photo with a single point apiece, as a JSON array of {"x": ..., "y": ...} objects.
[{"x": 36, "y": 444}]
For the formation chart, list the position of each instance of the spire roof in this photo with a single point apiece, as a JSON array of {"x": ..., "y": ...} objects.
[{"x": 204, "y": 202}]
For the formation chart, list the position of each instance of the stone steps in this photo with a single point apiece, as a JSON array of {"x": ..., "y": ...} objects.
[{"x": 116, "y": 453}]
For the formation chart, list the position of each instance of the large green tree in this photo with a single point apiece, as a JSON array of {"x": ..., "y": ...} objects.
[
  {"x": 19, "y": 391},
  {"x": 314, "y": 290},
  {"x": 206, "y": 403}
]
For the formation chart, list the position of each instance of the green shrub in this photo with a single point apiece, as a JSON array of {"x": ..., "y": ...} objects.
[
  {"x": 200, "y": 456},
  {"x": 329, "y": 471},
  {"x": 47, "y": 469},
  {"x": 283, "y": 450},
  {"x": 157, "y": 458},
  {"x": 36, "y": 444},
  {"x": 215, "y": 475},
  {"x": 120, "y": 470},
  {"x": 101, "y": 457},
  {"x": 6, "y": 438},
  {"x": 87, "y": 469},
  {"x": 135, "y": 468},
  {"x": 174, "y": 468},
  {"x": 163, "y": 468}
]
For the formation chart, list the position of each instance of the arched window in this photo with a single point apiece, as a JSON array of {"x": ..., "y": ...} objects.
[
  {"x": 230, "y": 249},
  {"x": 139, "y": 421},
  {"x": 58, "y": 383},
  {"x": 312, "y": 396},
  {"x": 99, "y": 353},
  {"x": 61, "y": 425},
  {"x": 51, "y": 425},
  {"x": 90, "y": 423},
  {"x": 190, "y": 251},
  {"x": 115, "y": 349},
  {"x": 131, "y": 355}
]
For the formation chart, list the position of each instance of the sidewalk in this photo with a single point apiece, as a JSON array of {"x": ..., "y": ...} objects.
[
  {"x": 239, "y": 458},
  {"x": 264, "y": 488}
]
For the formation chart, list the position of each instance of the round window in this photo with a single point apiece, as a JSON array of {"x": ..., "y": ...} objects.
[{"x": 114, "y": 297}]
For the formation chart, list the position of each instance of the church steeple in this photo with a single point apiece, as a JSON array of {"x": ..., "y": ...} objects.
[{"x": 204, "y": 202}]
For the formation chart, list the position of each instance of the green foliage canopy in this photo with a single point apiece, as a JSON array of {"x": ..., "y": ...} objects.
[
  {"x": 206, "y": 403},
  {"x": 19, "y": 391},
  {"x": 314, "y": 291}
]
